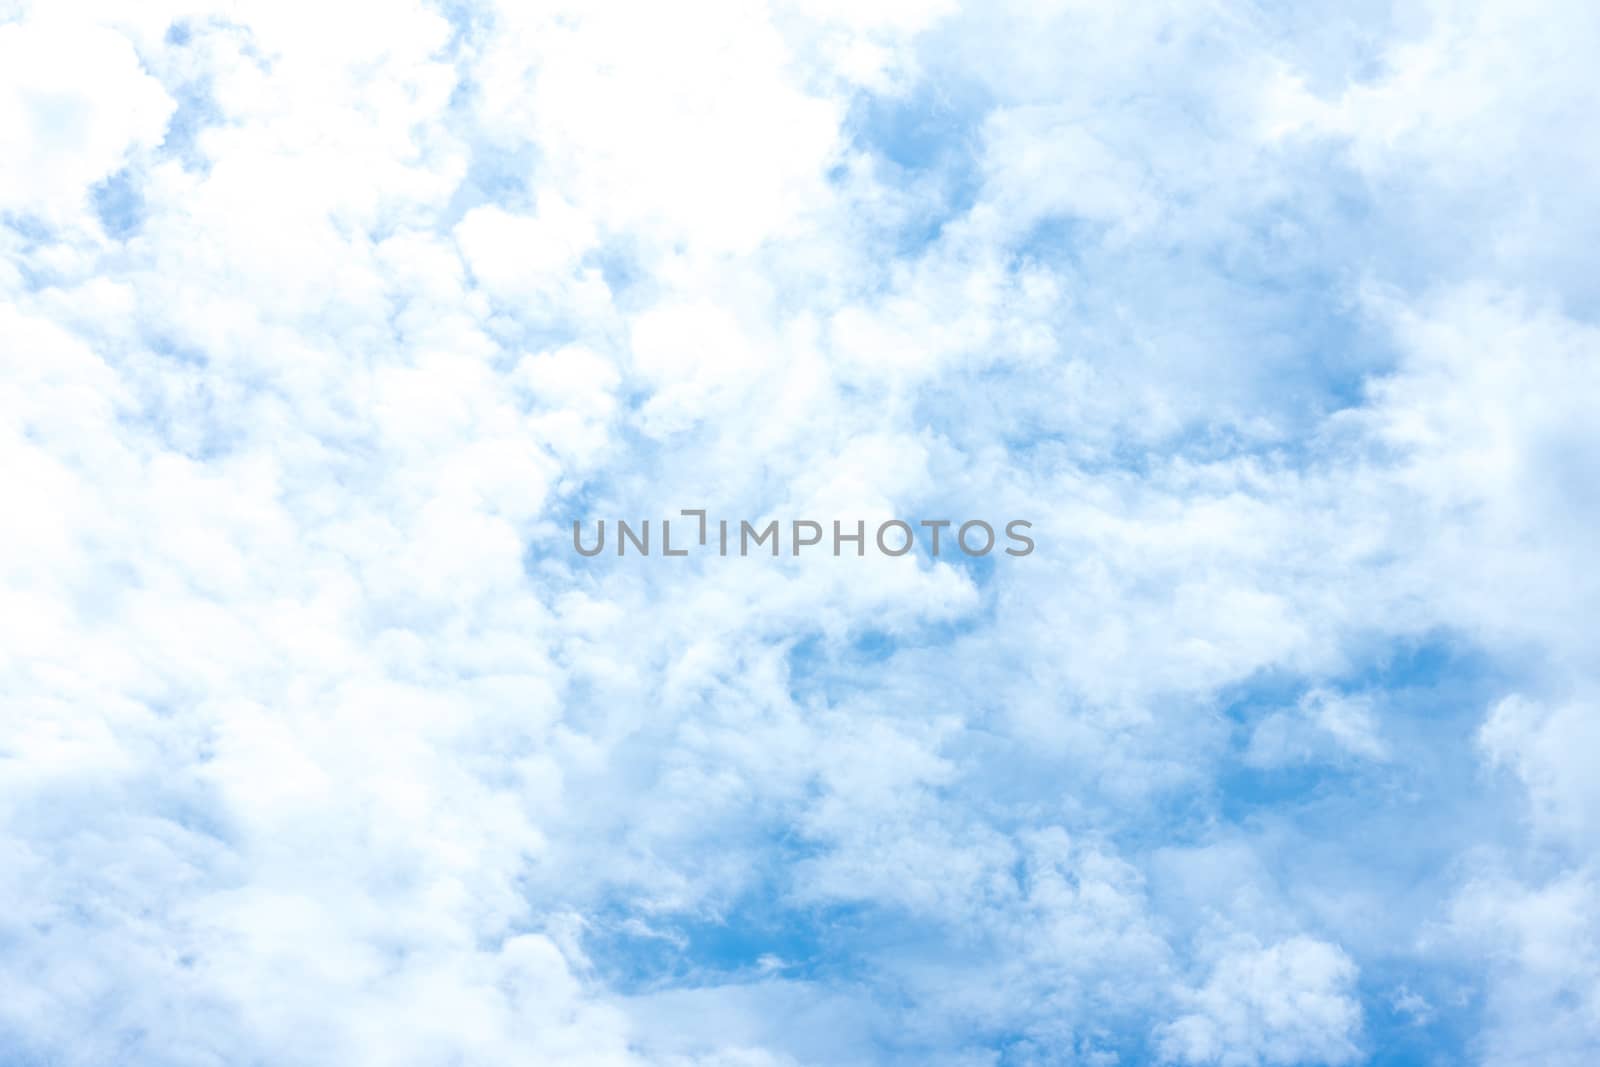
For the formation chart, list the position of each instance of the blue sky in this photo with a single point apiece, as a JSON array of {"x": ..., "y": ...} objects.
[{"x": 322, "y": 324}]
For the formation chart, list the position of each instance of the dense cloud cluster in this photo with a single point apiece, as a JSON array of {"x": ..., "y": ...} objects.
[{"x": 322, "y": 323}]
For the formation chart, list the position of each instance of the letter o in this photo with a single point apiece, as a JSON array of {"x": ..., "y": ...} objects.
[
  {"x": 961, "y": 536},
  {"x": 911, "y": 538}
]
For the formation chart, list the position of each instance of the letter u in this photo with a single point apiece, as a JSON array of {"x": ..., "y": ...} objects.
[{"x": 599, "y": 545}]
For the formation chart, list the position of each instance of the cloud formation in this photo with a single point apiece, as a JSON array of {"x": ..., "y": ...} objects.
[{"x": 321, "y": 323}]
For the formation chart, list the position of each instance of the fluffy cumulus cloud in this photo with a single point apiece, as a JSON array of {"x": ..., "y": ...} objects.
[
  {"x": 321, "y": 323},
  {"x": 1289, "y": 1003}
]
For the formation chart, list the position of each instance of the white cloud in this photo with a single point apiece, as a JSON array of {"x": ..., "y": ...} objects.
[
  {"x": 1321, "y": 726},
  {"x": 74, "y": 104},
  {"x": 1291, "y": 1002},
  {"x": 683, "y": 126},
  {"x": 318, "y": 743},
  {"x": 1550, "y": 750},
  {"x": 1544, "y": 966}
]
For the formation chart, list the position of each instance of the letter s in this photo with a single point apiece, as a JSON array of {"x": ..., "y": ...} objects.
[{"x": 1023, "y": 538}]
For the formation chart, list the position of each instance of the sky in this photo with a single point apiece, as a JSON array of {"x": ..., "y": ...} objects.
[{"x": 322, "y": 323}]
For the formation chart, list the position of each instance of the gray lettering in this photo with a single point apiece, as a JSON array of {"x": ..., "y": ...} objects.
[
  {"x": 745, "y": 530},
  {"x": 1023, "y": 538},
  {"x": 817, "y": 526},
  {"x": 599, "y": 545},
  {"x": 911, "y": 538},
  {"x": 666, "y": 540},
  {"x": 859, "y": 537},
  {"x": 624, "y": 534},
  {"x": 961, "y": 536}
]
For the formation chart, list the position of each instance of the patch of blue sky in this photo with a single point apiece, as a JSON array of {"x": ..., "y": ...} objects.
[
  {"x": 468, "y": 22},
  {"x": 1428, "y": 693},
  {"x": 189, "y": 422},
  {"x": 196, "y": 108},
  {"x": 551, "y": 556},
  {"x": 1334, "y": 831},
  {"x": 497, "y": 174},
  {"x": 763, "y": 934},
  {"x": 884, "y": 962},
  {"x": 119, "y": 204},
  {"x": 1033, "y": 411},
  {"x": 499, "y": 171},
  {"x": 517, "y": 331},
  {"x": 929, "y": 1017},
  {"x": 32, "y": 232},
  {"x": 196, "y": 111},
  {"x": 979, "y": 570},
  {"x": 929, "y": 141},
  {"x": 1276, "y": 279},
  {"x": 827, "y": 669},
  {"x": 1389, "y": 832},
  {"x": 620, "y": 269},
  {"x": 1418, "y": 1016}
]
